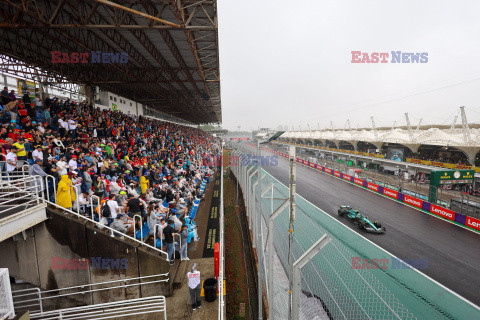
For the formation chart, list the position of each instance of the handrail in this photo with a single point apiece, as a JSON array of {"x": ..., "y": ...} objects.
[
  {"x": 42, "y": 294},
  {"x": 15, "y": 199},
  {"x": 175, "y": 244},
  {"x": 48, "y": 176},
  {"x": 109, "y": 310},
  {"x": 28, "y": 196},
  {"x": 141, "y": 227},
  {"x": 155, "y": 236},
  {"x": 76, "y": 198},
  {"x": 108, "y": 228},
  {"x": 38, "y": 292},
  {"x": 92, "y": 208}
]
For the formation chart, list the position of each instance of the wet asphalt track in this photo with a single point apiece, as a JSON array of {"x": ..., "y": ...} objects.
[{"x": 452, "y": 252}]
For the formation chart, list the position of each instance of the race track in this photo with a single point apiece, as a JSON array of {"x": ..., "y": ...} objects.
[{"x": 452, "y": 252}]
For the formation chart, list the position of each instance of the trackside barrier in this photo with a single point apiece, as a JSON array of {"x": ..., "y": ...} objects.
[
  {"x": 437, "y": 210},
  {"x": 339, "y": 289}
]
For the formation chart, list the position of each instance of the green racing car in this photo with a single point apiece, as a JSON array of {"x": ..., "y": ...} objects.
[{"x": 360, "y": 220}]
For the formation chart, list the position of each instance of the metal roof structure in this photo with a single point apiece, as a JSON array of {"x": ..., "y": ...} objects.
[{"x": 172, "y": 47}]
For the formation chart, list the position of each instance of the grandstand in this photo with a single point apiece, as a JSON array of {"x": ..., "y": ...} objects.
[{"x": 417, "y": 142}]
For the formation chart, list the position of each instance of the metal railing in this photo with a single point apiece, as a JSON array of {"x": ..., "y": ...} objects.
[
  {"x": 155, "y": 235},
  {"x": 21, "y": 171},
  {"x": 175, "y": 244},
  {"x": 33, "y": 299},
  {"x": 135, "y": 227},
  {"x": 102, "y": 226},
  {"x": 91, "y": 219},
  {"x": 21, "y": 193},
  {"x": 111, "y": 310}
]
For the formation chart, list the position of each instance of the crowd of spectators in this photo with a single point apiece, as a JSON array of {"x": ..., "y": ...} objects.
[{"x": 135, "y": 165}]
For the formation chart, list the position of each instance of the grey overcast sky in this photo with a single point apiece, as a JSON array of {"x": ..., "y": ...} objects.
[{"x": 289, "y": 62}]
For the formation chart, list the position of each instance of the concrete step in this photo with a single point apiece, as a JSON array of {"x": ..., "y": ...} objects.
[{"x": 180, "y": 275}]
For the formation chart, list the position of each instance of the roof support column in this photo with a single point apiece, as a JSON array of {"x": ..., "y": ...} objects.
[{"x": 470, "y": 152}]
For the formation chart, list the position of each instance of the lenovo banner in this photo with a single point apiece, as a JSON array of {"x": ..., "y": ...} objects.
[
  {"x": 312, "y": 165},
  {"x": 347, "y": 177},
  {"x": 472, "y": 223},
  {"x": 327, "y": 170},
  {"x": 442, "y": 212},
  {"x": 391, "y": 193},
  {"x": 372, "y": 186},
  {"x": 358, "y": 181},
  {"x": 413, "y": 201},
  {"x": 336, "y": 173}
]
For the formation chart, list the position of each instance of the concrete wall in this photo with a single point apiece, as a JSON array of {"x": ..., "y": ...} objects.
[
  {"x": 67, "y": 238},
  {"x": 123, "y": 104}
]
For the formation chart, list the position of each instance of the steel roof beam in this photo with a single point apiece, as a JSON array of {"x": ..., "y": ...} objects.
[
  {"x": 102, "y": 26},
  {"x": 116, "y": 5},
  {"x": 174, "y": 50}
]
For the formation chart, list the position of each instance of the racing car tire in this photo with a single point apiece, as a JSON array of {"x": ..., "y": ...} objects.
[
  {"x": 341, "y": 213},
  {"x": 361, "y": 225}
]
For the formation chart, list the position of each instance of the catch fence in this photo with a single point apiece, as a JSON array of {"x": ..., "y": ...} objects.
[{"x": 329, "y": 259}]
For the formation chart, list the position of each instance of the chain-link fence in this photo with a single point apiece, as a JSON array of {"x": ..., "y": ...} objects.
[{"x": 350, "y": 277}]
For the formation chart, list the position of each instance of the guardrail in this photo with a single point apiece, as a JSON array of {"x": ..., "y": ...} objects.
[
  {"x": 21, "y": 193},
  {"x": 335, "y": 286}
]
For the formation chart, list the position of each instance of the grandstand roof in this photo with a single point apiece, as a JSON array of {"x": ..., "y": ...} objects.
[
  {"x": 172, "y": 46},
  {"x": 432, "y": 136},
  {"x": 466, "y": 140}
]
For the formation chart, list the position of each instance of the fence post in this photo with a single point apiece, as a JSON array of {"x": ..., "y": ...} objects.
[
  {"x": 254, "y": 214},
  {"x": 251, "y": 200},
  {"x": 297, "y": 267},
  {"x": 247, "y": 192}
]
